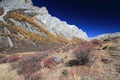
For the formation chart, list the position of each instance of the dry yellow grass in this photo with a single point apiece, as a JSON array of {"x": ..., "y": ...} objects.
[
  {"x": 7, "y": 74},
  {"x": 50, "y": 37},
  {"x": 74, "y": 73},
  {"x": 18, "y": 54},
  {"x": 76, "y": 40}
]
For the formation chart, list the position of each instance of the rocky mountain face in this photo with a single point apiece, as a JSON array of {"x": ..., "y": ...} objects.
[
  {"x": 13, "y": 2},
  {"x": 24, "y": 26},
  {"x": 107, "y": 36}
]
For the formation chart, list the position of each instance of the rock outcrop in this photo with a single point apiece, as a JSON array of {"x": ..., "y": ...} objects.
[
  {"x": 25, "y": 23},
  {"x": 55, "y": 26},
  {"x": 16, "y": 2},
  {"x": 107, "y": 36},
  {"x": 6, "y": 42}
]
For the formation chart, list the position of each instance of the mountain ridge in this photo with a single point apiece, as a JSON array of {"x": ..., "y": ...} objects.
[
  {"x": 107, "y": 36},
  {"x": 25, "y": 23}
]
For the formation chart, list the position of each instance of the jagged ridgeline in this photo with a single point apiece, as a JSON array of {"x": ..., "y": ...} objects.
[{"x": 24, "y": 27}]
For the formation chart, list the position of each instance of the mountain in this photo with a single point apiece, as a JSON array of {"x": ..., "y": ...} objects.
[
  {"x": 24, "y": 26},
  {"x": 107, "y": 36}
]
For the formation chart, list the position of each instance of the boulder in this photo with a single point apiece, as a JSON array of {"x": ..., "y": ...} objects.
[
  {"x": 58, "y": 59},
  {"x": 6, "y": 42}
]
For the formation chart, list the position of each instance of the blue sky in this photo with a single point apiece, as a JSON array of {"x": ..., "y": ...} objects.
[{"x": 93, "y": 16}]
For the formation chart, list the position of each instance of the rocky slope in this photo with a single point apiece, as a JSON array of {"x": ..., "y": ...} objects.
[
  {"x": 62, "y": 65},
  {"x": 23, "y": 25},
  {"x": 107, "y": 36}
]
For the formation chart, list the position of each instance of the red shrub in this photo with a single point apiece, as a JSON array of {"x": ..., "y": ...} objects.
[
  {"x": 95, "y": 42},
  {"x": 83, "y": 47},
  {"x": 29, "y": 64},
  {"x": 33, "y": 76},
  {"x": 83, "y": 53},
  {"x": 66, "y": 48},
  {"x": 36, "y": 76},
  {"x": 49, "y": 62},
  {"x": 13, "y": 58},
  {"x": 3, "y": 59}
]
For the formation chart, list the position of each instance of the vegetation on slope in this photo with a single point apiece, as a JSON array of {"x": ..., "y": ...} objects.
[
  {"x": 49, "y": 38},
  {"x": 86, "y": 60}
]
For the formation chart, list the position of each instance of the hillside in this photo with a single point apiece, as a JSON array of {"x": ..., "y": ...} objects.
[
  {"x": 24, "y": 25},
  {"x": 37, "y": 46},
  {"x": 107, "y": 36},
  {"x": 91, "y": 60}
]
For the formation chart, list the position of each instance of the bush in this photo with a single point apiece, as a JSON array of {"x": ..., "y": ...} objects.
[
  {"x": 29, "y": 65},
  {"x": 35, "y": 76},
  {"x": 49, "y": 62},
  {"x": 13, "y": 58},
  {"x": 95, "y": 42},
  {"x": 3, "y": 59},
  {"x": 83, "y": 53},
  {"x": 72, "y": 63}
]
